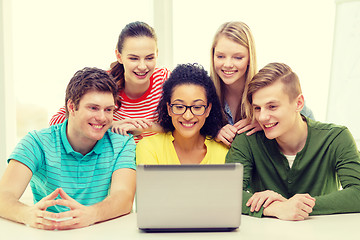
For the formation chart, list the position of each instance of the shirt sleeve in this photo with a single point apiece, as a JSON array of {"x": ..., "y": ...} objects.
[
  {"x": 347, "y": 167},
  {"x": 59, "y": 117},
  {"x": 166, "y": 74},
  {"x": 240, "y": 152},
  {"x": 126, "y": 156},
  {"x": 29, "y": 152}
]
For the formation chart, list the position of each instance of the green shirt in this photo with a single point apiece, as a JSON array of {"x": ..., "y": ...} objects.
[{"x": 329, "y": 159}]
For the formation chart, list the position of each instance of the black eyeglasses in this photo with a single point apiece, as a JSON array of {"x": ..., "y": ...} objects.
[{"x": 180, "y": 109}]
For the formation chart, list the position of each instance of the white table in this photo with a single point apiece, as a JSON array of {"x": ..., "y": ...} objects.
[{"x": 341, "y": 226}]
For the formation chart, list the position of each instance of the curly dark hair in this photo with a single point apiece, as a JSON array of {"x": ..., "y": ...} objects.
[{"x": 191, "y": 74}]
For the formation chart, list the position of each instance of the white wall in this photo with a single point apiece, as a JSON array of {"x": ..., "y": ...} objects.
[
  {"x": 7, "y": 94},
  {"x": 345, "y": 75},
  {"x": 44, "y": 43},
  {"x": 47, "y": 41},
  {"x": 2, "y": 97},
  {"x": 54, "y": 39},
  {"x": 298, "y": 33}
]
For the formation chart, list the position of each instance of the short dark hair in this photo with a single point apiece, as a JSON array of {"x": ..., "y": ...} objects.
[
  {"x": 89, "y": 79},
  {"x": 192, "y": 74}
]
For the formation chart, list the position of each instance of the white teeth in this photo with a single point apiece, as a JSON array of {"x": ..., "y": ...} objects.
[
  {"x": 229, "y": 72},
  {"x": 97, "y": 126},
  {"x": 270, "y": 125},
  {"x": 188, "y": 124},
  {"x": 141, "y": 74}
]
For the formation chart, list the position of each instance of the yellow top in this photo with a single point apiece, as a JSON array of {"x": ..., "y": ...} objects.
[{"x": 159, "y": 149}]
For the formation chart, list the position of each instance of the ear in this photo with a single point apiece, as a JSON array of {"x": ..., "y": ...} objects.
[
  {"x": 300, "y": 101},
  {"x": 118, "y": 56},
  {"x": 208, "y": 109},
  {"x": 169, "y": 109},
  {"x": 70, "y": 106}
]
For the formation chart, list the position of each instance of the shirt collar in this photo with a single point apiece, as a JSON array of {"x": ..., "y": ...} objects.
[
  {"x": 68, "y": 148},
  {"x": 64, "y": 139},
  {"x": 99, "y": 145},
  {"x": 228, "y": 113}
]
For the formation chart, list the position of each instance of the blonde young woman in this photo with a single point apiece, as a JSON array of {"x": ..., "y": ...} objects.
[{"x": 233, "y": 64}]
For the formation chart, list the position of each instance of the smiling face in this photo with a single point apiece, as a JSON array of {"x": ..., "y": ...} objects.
[
  {"x": 138, "y": 56},
  {"x": 274, "y": 110},
  {"x": 92, "y": 118},
  {"x": 188, "y": 125},
  {"x": 231, "y": 60}
]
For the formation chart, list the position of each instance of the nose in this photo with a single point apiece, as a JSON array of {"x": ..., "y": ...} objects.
[
  {"x": 100, "y": 116},
  {"x": 228, "y": 63},
  {"x": 263, "y": 116},
  {"x": 187, "y": 115},
  {"x": 142, "y": 65}
]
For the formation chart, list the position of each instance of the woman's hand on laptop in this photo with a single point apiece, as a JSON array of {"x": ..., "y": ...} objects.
[{"x": 264, "y": 198}]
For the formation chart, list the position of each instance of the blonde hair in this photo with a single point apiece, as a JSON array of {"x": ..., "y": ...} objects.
[
  {"x": 240, "y": 33},
  {"x": 270, "y": 74}
]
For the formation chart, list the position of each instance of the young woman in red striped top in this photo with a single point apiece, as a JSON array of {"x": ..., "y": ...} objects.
[{"x": 139, "y": 81}]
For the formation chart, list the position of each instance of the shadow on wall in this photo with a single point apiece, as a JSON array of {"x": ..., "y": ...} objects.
[{"x": 30, "y": 117}]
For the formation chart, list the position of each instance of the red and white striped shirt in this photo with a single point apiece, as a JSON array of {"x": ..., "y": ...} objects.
[{"x": 143, "y": 107}]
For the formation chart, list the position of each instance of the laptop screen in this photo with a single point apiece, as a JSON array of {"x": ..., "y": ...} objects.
[{"x": 189, "y": 196}]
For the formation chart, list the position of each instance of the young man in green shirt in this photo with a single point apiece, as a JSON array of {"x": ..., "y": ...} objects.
[{"x": 295, "y": 166}]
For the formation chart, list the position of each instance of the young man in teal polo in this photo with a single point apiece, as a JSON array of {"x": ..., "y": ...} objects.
[
  {"x": 79, "y": 171},
  {"x": 295, "y": 166}
]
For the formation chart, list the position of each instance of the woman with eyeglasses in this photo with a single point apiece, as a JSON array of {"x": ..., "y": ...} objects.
[{"x": 190, "y": 114}]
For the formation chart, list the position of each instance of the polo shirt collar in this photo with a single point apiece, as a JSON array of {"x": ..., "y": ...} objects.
[
  {"x": 68, "y": 148},
  {"x": 99, "y": 145}
]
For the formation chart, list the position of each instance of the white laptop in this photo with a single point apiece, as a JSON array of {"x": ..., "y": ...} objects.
[{"x": 189, "y": 197}]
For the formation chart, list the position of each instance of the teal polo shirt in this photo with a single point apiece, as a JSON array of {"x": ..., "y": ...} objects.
[{"x": 54, "y": 164}]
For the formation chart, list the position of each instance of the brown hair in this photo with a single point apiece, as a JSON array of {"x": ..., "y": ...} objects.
[
  {"x": 271, "y": 73},
  {"x": 133, "y": 29},
  {"x": 89, "y": 79}
]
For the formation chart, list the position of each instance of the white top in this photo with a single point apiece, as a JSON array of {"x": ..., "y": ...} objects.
[{"x": 290, "y": 159}]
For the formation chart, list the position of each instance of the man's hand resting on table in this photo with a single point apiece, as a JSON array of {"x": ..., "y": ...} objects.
[
  {"x": 295, "y": 208},
  {"x": 264, "y": 198}
]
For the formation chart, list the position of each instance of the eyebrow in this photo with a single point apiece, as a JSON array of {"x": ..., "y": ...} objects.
[
  {"x": 97, "y": 105},
  {"x": 134, "y": 55},
  {"x": 270, "y": 102},
  {"x": 237, "y": 53},
  {"x": 197, "y": 100}
]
